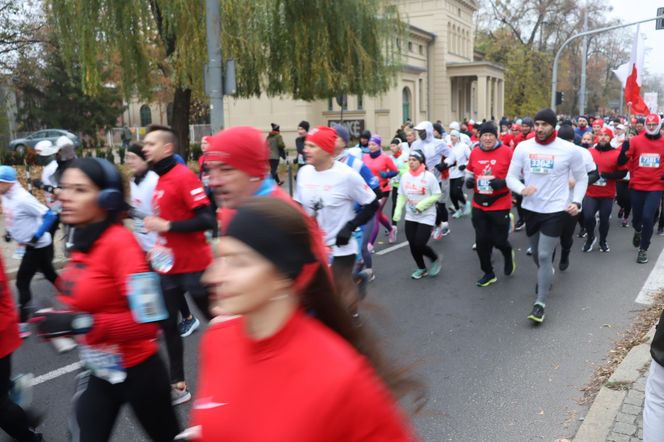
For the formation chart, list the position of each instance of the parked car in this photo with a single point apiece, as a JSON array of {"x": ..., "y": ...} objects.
[{"x": 20, "y": 144}]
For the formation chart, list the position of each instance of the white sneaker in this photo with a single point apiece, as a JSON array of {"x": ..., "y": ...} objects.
[
  {"x": 445, "y": 229},
  {"x": 179, "y": 396},
  {"x": 437, "y": 233},
  {"x": 63, "y": 344}
]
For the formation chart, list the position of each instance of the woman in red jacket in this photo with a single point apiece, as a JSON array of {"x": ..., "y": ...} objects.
[
  {"x": 13, "y": 419},
  {"x": 112, "y": 304},
  {"x": 269, "y": 370},
  {"x": 383, "y": 168}
]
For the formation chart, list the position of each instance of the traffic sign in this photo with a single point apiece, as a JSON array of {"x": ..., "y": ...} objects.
[{"x": 659, "y": 24}]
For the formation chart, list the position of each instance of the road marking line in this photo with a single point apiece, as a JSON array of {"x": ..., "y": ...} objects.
[
  {"x": 56, "y": 373},
  {"x": 654, "y": 283},
  {"x": 393, "y": 248}
]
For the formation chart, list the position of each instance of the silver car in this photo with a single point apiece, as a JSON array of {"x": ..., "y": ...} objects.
[{"x": 20, "y": 144}]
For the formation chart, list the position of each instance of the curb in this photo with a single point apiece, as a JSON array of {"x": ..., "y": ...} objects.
[
  {"x": 57, "y": 264},
  {"x": 599, "y": 420}
]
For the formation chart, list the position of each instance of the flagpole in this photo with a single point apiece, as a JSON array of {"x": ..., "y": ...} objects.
[{"x": 554, "y": 75}]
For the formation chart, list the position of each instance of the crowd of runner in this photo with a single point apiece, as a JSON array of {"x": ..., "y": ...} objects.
[{"x": 280, "y": 280}]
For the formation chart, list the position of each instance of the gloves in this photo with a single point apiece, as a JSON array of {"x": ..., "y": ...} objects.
[
  {"x": 442, "y": 166},
  {"x": 8, "y": 237},
  {"x": 33, "y": 241},
  {"x": 625, "y": 146},
  {"x": 497, "y": 183},
  {"x": 383, "y": 174},
  {"x": 53, "y": 323},
  {"x": 37, "y": 183},
  {"x": 470, "y": 183},
  {"x": 40, "y": 185},
  {"x": 462, "y": 167},
  {"x": 344, "y": 234}
]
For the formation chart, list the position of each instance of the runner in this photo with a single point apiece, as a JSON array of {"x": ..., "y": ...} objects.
[
  {"x": 600, "y": 195},
  {"x": 546, "y": 163},
  {"x": 492, "y": 202},
  {"x": 643, "y": 156},
  {"x": 434, "y": 151},
  {"x": 181, "y": 216},
  {"x": 418, "y": 193},
  {"x": 328, "y": 191},
  {"x": 653, "y": 406},
  {"x": 400, "y": 158},
  {"x": 108, "y": 310},
  {"x": 14, "y": 419},
  {"x": 27, "y": 222},
  {"x": 461, "y": 153},
  {"x": 383, "y": 168},
  {"x": 263, "y": 280}
]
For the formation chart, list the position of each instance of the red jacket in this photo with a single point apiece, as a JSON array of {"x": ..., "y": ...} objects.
[
  {"x": 382, "y": 163},
  {"x": 485, "y": 166},
  {"x": 607, "y": 162},
  {"x": 521, "y": 137},
  {"x": 646, "y": 163},
  {"x": 305, "y": 383},
  {"x": 9, "y": 337}
]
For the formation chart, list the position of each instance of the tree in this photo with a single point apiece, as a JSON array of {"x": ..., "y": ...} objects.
[
  {"x": 18, "y": 30},
  {"x": 308, "y": 49}
]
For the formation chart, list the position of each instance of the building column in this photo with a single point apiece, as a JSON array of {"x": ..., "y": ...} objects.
[
  {"x": 494, "y": 108},
  {"x": 482, "y": 95},
  {"x": 501, "y": 97}
]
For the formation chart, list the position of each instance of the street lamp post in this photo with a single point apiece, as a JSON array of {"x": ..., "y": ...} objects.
[{"x": 554, "y": 76}]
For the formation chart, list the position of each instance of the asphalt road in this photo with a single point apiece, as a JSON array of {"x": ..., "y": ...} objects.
[{"x": 491, "y": 375}]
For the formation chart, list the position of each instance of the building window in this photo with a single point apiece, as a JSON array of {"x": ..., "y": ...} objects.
[
  {"x": 421, "y": 50},
  {"x": 406, "y": 100},
  {"x": 360, "y": 102},
  {"x": 146, "y": 115},
  {"x": 422, "y": 94},
  {"x": 329, "y": 104},
  {"x": 410, "y": 46},
  {"x": 459, "y": 11}
]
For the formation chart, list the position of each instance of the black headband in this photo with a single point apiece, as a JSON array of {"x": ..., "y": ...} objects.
[
  {"x": 417, "y": 154},
  {"x": 262, "y": 234}
]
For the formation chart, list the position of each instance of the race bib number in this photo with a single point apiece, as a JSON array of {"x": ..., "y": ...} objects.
[
  {"x": 161, "y": 258},
  {"x": 483, "y": 184},
  {"x": 103, "y": 362},
  {"x": 145, "y": 298},
  {"x": 600, "y": 182},
  {"x": 649, "y": 160},
  {"x": 541, "y": 164}
]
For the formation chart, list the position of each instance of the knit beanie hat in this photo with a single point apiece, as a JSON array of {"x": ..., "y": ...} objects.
[
  {"x": 566, "y": 132},
  {"x": 488, "y": 128},
  {"x": 304, "y": 125},
  {"x": 548, "y": 116},
  {"x": 606, "y": 131},
  {"x": 323, "y": 137},
  {"x": 342, "y": 132},
  {"x": 136, "y": 149},
  {"x": 438, "y": 128},
  {"x": 275, "y": 127},
  {"x": 241, "y": 147},
  {"x": 376, "y": 139}
]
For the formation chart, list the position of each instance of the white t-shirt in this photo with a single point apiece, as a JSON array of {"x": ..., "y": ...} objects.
[
  {"x": 141, "y": 200},
  {"x": 330, "y": 196},
  {"x": 23, "y": 216},
  {"x": 547, "y": 168},
  {"x": 47, "y": 173},
  {"x": 415, "y": 189},
  {"x": 461, "y": 153}
]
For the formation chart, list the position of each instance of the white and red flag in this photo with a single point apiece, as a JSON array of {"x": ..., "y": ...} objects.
[{"x": 630, "y": 75}]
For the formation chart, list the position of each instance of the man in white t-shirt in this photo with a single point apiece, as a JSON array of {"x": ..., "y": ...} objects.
[
  {"x": 546, "y": 163},
  {"x": 329, "y": 191}
]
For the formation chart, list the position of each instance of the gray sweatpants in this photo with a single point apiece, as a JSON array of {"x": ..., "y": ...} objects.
[{"x": 543, "y": 247}]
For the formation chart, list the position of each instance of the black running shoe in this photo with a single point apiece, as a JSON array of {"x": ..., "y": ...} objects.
[
  {"x": 582, "y": 233},
  {"x": 636, "y": 239},
  {"x": 537, "y": 315},
  {"x": 590, "y": 243},
  {"x": 510, "y": 264},
  {"x": 604, "y": 246},
  {"x": 487, "y": 280},
  {"x": 564, "y": 260},
  {"x": 642, "y": 256},
  {"x": 519, "y": 225}
]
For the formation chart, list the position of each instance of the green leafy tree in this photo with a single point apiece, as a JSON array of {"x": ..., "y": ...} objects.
[{"x": 307, "y": 49}]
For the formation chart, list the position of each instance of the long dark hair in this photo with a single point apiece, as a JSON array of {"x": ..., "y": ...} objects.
[{"x": 325, "y": 298}]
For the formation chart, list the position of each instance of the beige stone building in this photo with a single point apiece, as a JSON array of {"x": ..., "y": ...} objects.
[{"x": 440, "y": 80}]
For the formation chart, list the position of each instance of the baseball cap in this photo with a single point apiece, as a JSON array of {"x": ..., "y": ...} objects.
[{"x": 7, "y": 174}]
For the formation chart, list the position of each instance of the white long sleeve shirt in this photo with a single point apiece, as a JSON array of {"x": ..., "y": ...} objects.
[
  {"x": 24, "y": 215},
  {"x": 548, "y": 168}
]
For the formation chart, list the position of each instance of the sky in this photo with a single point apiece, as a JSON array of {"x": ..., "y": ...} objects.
[{"x": 633, "y": 10}]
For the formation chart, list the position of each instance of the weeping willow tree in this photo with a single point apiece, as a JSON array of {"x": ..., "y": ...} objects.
[{"x": 307, "y": 49}]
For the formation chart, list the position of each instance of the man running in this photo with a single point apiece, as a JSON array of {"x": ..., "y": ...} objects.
[
  {"x": 546, "y": 163},
  {"x": 643, "y": 156}
]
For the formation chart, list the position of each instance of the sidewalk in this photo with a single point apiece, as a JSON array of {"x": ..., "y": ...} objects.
[{"x": 617, "y": 412}]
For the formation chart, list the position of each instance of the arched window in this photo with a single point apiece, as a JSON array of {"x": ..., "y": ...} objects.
[
  {"x": 406, "y": 100},
  {"x": 146, "y": 115}
]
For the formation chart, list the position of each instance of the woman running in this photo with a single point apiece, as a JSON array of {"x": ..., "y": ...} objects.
[
  {"x": 461, "y": 153},
  {"x": 383, "y": 168},
  {"x": 270, "y": 371},
  {"x": 418, "y": 193},
  {"x": 112, "y": 303}
]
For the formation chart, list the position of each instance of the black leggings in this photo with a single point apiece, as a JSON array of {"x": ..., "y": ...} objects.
[
  {"x": 590, "y": 207},
  {"x": 456, "y": 192},
  {"x": 567, "y": 232},
  {"x": 146, "y": 389},
  {"x": 13, "y": 419},
  {"x": 418, "y": 235},
  {"x": 174, "y": 288},
  {"x": 34, "y": 260},
  {"x": 395, "y": 196},
  {"x": 622, "y": 197},
  {"x": 274, "y": 170},
  {"x": 491, "y": 230}
]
